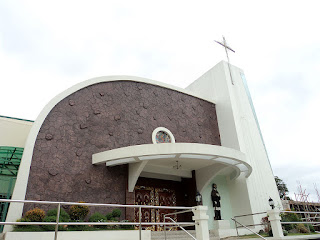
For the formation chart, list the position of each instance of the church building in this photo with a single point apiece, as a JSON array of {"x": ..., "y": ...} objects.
[{"x": 131, "y": 140}]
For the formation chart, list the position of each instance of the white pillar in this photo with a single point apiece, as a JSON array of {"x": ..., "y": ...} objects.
[
  {"x": 201, "y": 219},
  {"x": 274, "y": 218}
]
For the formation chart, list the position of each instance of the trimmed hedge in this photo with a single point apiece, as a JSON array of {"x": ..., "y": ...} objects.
[
  {"x": 64, "y": 216},
  {"x": 78, "y": 212},
  {"x": 35, "y": 215}
]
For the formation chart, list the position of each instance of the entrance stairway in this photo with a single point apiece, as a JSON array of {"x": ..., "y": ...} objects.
[{"x": 180, "y": 235}]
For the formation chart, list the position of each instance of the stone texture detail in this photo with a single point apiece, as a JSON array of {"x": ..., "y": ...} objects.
[
  {"x": 106, "y": 116},
  {"x": 79, "y": 152},
  {"x": 53, "y": 172},
  {"x": 49, "y": 136}
]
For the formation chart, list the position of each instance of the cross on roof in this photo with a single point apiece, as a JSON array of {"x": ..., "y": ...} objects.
[{"x": 226, "y": 47}]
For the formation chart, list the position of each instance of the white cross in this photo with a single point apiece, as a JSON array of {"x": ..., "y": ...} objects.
[{"x": 226, "y": 47}]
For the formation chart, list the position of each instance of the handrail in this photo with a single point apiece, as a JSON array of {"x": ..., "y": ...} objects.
[
  {"x": 95, "y": 223},
  {"x": 306, "y": 218},
  {"x": 94, "y": 204},
  {"x": 57, "y": 223},
  {"x": 310, "y": 217},
  {"x": 176, "y": 213},
  {"x": 286, "y": 211},
  {"x": 179, "y": 227},
  {"x": 248, "y": 228},
  {"x": 246, "y": 215},
  {"x": 251, "y": 214},
  {"x": 299, "y": 222}
]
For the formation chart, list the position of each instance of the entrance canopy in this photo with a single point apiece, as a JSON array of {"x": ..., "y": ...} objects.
[{"x": 175, "y": 159}]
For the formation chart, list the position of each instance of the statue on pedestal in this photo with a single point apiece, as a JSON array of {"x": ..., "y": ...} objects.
[{"x": 215, "y": 197}]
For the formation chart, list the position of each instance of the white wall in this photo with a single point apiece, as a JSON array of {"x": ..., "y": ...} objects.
[
  {"x": 14, "y": 132},
  {"x": 212, "y": 85},
  {"x": 81, "y": 235},
  {"x": 239, "y": 130}
]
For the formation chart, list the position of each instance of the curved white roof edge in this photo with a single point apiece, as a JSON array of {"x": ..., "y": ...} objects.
[{"x": 159, "y": 151}]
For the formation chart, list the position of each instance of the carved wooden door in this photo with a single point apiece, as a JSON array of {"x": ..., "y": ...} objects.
[
  {"x": 144, "y": 196},
  {"x": 164, "y": 197},
  {"x": 154, "y": 197}
]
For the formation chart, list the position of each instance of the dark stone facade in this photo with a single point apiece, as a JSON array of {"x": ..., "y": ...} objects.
[{"x": 106, "y": 116}]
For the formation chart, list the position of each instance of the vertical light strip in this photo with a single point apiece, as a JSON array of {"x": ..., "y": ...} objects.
[{"x": 254, "y": 114}]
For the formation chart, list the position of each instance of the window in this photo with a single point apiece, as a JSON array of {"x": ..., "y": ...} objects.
[{"x": 162, "y": 135}]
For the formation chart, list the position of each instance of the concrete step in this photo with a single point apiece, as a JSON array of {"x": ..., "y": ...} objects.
[{"x": 179, "y": 235}]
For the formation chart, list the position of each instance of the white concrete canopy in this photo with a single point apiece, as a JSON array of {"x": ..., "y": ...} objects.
[{"x": 162, "y": 158}]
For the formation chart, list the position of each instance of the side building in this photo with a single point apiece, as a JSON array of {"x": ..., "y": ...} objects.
[
  {"x": 131, "y": 140},
  {"x": 308, "y": 211},
  {"x": 13, "y": 135}
]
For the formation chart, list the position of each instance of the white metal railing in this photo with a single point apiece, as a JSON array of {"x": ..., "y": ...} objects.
[
  {"x": 305, "y": 222},
  {"x": 248, "y": 228},
  {"x": 165, "y": 217},
  {"x": 245, "y": 226},
  {"x": 59, "y": 204}
]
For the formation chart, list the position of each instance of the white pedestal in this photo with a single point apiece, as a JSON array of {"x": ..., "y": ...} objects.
[
  {"x": 274, "y": 218},
  {"x": 201, "y": 219},
  {"x": 222, "y": 229}
]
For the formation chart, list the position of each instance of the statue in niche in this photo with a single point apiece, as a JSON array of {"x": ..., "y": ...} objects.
[{"x": 215, "y": 197}]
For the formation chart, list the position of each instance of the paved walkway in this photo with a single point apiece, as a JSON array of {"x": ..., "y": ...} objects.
[{"x": 312, "y": 236}]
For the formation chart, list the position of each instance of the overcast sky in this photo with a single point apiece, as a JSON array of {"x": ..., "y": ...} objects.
[{"x": 48, "y": 46}]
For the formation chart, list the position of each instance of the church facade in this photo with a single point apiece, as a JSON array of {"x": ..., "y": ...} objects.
[{"x": 131, "y": 140}]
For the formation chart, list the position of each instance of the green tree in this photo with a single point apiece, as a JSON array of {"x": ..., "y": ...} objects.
[{"x": 282, "y": 187}]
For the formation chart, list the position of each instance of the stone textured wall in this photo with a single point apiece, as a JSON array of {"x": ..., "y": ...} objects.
[{"x": 105, "y": 116}]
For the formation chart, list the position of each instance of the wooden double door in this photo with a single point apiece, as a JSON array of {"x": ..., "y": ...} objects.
[{"x": 155, "y": 197}]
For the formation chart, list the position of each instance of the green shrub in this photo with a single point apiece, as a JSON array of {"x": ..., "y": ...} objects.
[
  {"x": 288, "y": 227},
  {"x": 78, "y": 212},
  {"x": 285, "y": 233},
  {"x": 64, "y": 216},
  {"x": 113, "y": 227},
  {"x": 127, "y": 227},
  {"x": 35, "y": 215},
  {"x": 26, "y": 228},
  {"x": 311, "y": 228},
  {"x": 80, "y": 228},
  {"x": 98, "y": 217},
  {"x": 290, "y": 217},
  {"x": 53, "y": 227},
  {"x": 22, "y": 220},
  {"x": 116, "y": 213},
  {"x": 302, "y": 228},
  {"x": 109, "y": 216}
]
